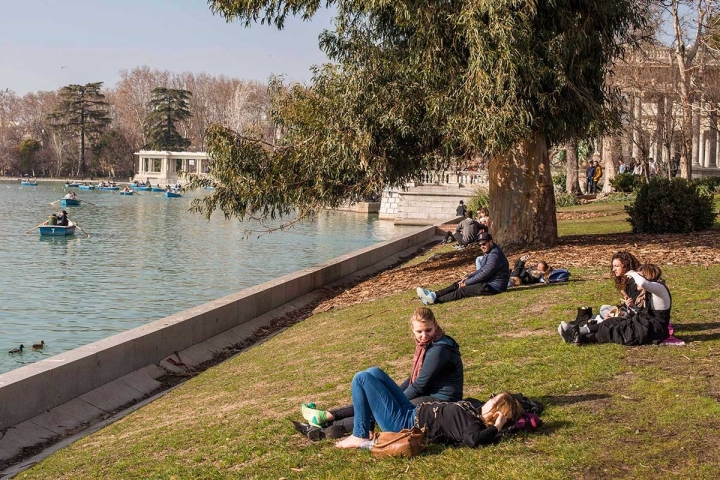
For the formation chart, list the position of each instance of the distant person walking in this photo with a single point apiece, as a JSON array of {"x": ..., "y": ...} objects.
[
  {"x": 622, "y": 168},
  {"x": 598, "y": 175},
  {"x": 460, "y": 210},
  {"x": 589, "y": 176}
]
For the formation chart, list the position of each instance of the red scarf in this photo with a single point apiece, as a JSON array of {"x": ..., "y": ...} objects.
[{"x": 420, "y": 349}]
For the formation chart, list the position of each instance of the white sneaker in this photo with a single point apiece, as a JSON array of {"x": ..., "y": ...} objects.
[{"x": 427, "y": 296}]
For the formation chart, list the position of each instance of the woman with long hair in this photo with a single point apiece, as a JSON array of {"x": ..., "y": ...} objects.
[{"x": 621, "y": 263}]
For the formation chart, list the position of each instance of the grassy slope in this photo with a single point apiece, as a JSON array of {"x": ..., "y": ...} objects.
[{"x": 612, "y": 412}]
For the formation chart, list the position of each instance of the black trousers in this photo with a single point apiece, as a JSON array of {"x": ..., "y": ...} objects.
[{"x": 456, "y": 292}]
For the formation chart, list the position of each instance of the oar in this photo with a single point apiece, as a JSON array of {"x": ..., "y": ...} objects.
[
  {"x": 56, "y": 201},
  {"x": 79, "y": 228},
  {"x": 36, "y": 226},
  {"x": 89, "y": 203}
]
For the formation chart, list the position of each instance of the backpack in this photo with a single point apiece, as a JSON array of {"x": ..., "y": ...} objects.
[{"x": 558, "y": 275}]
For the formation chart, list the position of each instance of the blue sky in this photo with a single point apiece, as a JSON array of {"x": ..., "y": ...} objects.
[{"x": 47, "y": 44}]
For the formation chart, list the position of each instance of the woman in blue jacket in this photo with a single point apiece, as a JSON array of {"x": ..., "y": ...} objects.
[{"x": 436, "y": 375}]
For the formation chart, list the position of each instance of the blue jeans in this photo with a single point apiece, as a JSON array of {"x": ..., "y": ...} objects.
[
  {"x": 590, "y": 185},
  {"x": 376, "y": 396}
]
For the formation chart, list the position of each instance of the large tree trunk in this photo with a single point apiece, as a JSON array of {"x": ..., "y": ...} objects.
[
  {"x": 610, "y": 154},
  {"x": 522, "y": 198},
  {"x": 572, "y": 185}
]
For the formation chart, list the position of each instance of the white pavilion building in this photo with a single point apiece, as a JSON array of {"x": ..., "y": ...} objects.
[{"x": 162, "y": 167}]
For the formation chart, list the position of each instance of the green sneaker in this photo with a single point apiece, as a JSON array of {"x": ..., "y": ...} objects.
[{"x": 313, "y": 415}]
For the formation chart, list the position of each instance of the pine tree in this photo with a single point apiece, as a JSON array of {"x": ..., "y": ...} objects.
[
  {"x": 167, "y": 107},
  {"x": 82, "y": 113}
]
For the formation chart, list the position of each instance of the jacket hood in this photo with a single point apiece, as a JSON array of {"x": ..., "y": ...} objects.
[{"x": 448, "y": 342}]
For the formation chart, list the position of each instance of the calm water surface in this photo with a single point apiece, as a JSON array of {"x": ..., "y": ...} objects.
[{"x": 147, "y": 258}]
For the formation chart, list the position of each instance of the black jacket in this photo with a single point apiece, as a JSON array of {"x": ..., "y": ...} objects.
[
  {"x": 456, "y": 424},
  {"x": 441, "y": 375}
]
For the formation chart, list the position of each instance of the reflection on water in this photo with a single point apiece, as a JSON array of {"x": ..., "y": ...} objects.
[{"x": 146, "y": 258}]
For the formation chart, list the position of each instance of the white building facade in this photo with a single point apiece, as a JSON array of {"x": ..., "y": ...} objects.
[{"x": 162, "y": 167}]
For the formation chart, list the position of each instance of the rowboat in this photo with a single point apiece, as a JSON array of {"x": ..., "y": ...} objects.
[
  {"x": 57, "y": 230},
  {"x": 129, "y": 192},
  {"x": 109, "y": 188},
  {"x": 141, "y": 189},
  {"x": 72, "y": 185},
  {"x": 87, "y": 187},
  {"x": 172, "y": 195},
  {"x": 28, "y": 184},
  {"x": 157, "y": 189},
  {"x": 70, "y": 202}
]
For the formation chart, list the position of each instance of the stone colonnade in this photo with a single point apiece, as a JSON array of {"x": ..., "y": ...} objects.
[{"x": 653, "y": 131}]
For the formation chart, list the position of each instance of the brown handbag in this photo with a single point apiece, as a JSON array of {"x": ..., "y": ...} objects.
[{"x": 405, "y": 443}]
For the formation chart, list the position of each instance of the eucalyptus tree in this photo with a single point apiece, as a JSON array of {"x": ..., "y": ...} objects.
[
  {"x": 167, "y": 107},
  {"x": 419, "y": 83},
  {"x": 82, "y": 112}
]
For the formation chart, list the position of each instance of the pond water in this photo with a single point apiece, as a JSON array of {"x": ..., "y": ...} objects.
[{"x": 147, "y": 258}]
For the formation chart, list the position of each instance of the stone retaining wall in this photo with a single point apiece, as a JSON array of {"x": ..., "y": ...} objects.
[{"x": 93, "y": 379}]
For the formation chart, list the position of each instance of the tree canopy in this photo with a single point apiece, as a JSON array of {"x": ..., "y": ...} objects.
[
  {"x": 82, "y": 112},
  {"x": 167, "y": 106},
  {"x": 416, "y": 84}
]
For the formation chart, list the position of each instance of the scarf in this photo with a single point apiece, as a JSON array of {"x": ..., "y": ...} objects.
[{"x": 420, "y": 349}]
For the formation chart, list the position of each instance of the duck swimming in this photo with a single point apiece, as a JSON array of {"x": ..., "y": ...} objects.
[
  {"x": 39, "y": 346},
  {"x": 17, "y": 350}
]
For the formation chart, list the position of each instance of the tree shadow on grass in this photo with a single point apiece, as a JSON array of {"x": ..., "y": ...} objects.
[
  {"x": 685, "y": 332},
  {"x": 561, "y": 400},
  {"x": 692, "y": 327},
  {"x": 698, "y": 338}
]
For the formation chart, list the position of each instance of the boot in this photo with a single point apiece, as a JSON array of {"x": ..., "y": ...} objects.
[{"x": 583, "y": 314}]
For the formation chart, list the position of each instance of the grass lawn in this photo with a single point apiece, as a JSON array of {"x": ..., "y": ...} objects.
[{"x": 611, "y": 411}]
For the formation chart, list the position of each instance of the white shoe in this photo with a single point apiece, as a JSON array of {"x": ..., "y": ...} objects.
[{"x": 427, "y": 296}]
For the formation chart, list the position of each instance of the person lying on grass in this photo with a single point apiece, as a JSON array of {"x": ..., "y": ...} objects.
[
  {"x": 540, "y": 273},
  {"x": 647, "y": 323},
  {"x": 490, "y": 278},
  {"x": 377, "y": 398},
  {"x": 437, "y": 374}
]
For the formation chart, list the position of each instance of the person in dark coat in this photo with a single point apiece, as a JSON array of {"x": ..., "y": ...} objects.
[
  {"x": 376, "y": 397},
  {"x": 490, "y": 278},
  {"x": 63, "y": 219},
  {"x": 437, "y": 374}
]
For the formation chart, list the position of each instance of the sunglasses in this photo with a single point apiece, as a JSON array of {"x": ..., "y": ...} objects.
[{"x": 482, "y": 244}]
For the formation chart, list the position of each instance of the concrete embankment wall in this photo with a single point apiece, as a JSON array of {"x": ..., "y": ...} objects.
[{"x": 90, "y": 371}]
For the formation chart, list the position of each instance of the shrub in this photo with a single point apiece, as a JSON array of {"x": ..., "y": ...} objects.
[
  {"x": 625, "y": 182},
  {"x": 480, "y": 199},
  {"x": 670, "y": 206},
  {"x": 566, "y": 200},
  {"x": 560, "y": 182},
  {"x": 708, "y": 185}
]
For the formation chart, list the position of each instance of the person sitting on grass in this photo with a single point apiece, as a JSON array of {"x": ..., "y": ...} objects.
[
  {"x": 621, "y": 263},
  {"x": 437, "y": 375},
  {"x": 466, "y": 232},
  {"x": 490, "y": 278},
  {"x": 645, "y": 325},
  {"x": 540, "y": 273},
  {"x": 483, "y": 216},
  {"x": 376, "y": 398}
]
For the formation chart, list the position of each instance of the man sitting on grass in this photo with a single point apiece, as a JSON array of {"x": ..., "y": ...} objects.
[{"x": 491, "y": 277}]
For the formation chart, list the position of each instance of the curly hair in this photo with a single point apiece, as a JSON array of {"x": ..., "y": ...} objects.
[{"x": 628, "y": 262}]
